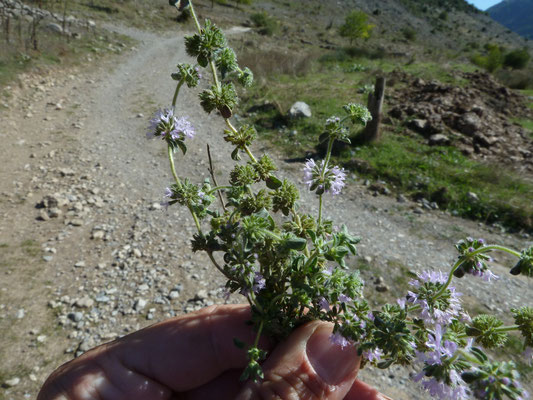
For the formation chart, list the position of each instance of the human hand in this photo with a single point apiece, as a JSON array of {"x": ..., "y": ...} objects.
[{"x": 194, "y": 357}]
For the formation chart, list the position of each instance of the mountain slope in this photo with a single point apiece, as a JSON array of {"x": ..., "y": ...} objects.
[{"x": 516, "y": 15}]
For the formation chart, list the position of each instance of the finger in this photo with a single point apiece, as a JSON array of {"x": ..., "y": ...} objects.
[
  {"x": 189, "y": 351},
  {"x": 362, "y": 391},
  {"x": 308, "y": 365},
  {"x": 225, "y": 387},
  {"x": 176, "y": 355}
]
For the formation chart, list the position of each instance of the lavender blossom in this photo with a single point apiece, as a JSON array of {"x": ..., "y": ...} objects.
[
  {"x": 259, "y": 282},
  {"x": 324, "y": 304},
  {"x": 372, "y": 355},
  {"x": 330, "y": 180},
  {"x": 166, "y": 125},
  {"x": 182, "y": 129},
  {"x": 434, "y": 311},
  {"x": 339, "y": 340},
  {"x": 345, "y": 299},
  {"x": 338, "y": 181}
]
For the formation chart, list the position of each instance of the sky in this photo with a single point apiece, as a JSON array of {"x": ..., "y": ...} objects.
[{"x": 484, "y": 4}]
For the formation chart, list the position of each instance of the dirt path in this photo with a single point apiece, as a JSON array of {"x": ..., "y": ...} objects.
[{"x": 107, "y": 260}]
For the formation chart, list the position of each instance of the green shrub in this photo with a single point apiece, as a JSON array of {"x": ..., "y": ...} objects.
[
  {"x": 267, "y": 25},
  {"x": 492, "y": 61},
  {"x": 409, "y": 33},
  {"x": 356, "y": 26},
  {"x": 517, "y": 59}
]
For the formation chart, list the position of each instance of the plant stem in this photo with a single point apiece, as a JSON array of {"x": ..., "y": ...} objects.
[
  {"x": 247, "y": 150},
  {"x": 212, "y": 172},
  {"x": 259, "y": 331},
  {"x": 509, "y": 328},
  {"x": 178, "y": 182},
  {"x": 319, "y": 209},
  {"x": 478, "y": 251},
  {"x": 193, "y": 13},
  {"x": 496, "y": 247},
  {"x": 322, "y": 176},
  {"x": 175, "y": 98}
]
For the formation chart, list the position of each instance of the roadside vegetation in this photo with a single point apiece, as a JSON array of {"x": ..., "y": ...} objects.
[{"x": 402, "y": 159}]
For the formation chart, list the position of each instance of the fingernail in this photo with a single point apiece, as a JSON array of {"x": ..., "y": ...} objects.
[
  {"x": 330, "y": 361},
  {"x": 381, "y": 396}
]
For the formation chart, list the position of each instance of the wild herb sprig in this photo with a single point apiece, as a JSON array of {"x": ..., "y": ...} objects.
[{"x": 291, "y": 267}]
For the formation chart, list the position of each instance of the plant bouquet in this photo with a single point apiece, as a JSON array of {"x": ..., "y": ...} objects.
[{"x": 290, "y": 266}]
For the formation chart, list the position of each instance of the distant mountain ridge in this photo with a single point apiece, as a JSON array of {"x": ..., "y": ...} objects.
[{"x": 516, "y": 15}]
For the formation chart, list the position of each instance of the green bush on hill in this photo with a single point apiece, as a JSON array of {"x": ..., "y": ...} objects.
[
  {"x": 517, "y": 59},
  {"x": 356, "y": 26},
  {"x": 267, "y": 25}
]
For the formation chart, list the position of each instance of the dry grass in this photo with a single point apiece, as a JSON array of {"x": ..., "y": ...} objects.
[{"x": 277, "y": 62}]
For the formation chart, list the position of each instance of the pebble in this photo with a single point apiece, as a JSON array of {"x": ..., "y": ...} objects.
[
  {"x": 75, "y": 316},
  {"x": 97, "y": 235},
  {"x": 48, "y": 258},
  {"x": 80, "y": 264},
  {"x": 85, "y": 302},
  {"x": 139, "y": 304},
  {"x": 20, "y": 313},
  {"x": 12, "y": 382},
  {"x": 174, "y": 294}
]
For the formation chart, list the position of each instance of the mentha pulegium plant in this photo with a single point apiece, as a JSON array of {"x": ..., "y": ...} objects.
[{"x": 291, "y": 267}]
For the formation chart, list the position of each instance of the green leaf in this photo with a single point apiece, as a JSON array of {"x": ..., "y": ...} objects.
[
  {"x": 273, "y": 183},
  {"x": 235, "y": 154},
  {"x": 479, "y": 354},
  {"x": 296, "y": 243},
  {"x": 385, "y": 364},
  {"x": 182, "y": 147}
]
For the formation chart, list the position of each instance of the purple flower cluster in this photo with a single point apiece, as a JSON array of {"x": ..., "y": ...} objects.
[
  {"x": 439, "y": 354},
  {"x": 166, "y": 125},
  {"x": 332, "y": 180},
  {"x": 456, "y": 391},
  {"x": 339, "y": 340},
  {"x": 434, "y": 311}
]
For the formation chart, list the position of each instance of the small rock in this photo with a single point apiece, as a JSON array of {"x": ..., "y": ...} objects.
[
  {"x": 11, "y": 382},
  {"x": 300, "y": 110},
  {"x": 155, "y": 206},
  {"x": 97, "y": 235},
  {"x": 439, "y": 140},
  {"x": 48, "y": 258},
  {"x": 174, "y": 294},
  {"x": 75, "y": 316},
  {"x": 401, "y": 198},
  {"x": 43, "y": 216},
  {"x": 20, "y": 313},
  {"x": 53, "y": 27},
  {"x": 382, "y": 288},
  {"x": 54, "y": 212},
  {"x": 41, "y": 338},
  {"x": 80, "y": 264},
  {"x": 85, "y": 302},
  {"x": 76, "y": 222},
  {"x": 472, "y": 196},
  {"x": 139, "y": 304},
  {"x": 201, "y": 295},
  {"x": 418, "y": 210}
]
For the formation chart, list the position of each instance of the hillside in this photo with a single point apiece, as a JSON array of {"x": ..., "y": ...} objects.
[{"x": 516, "y": 15}]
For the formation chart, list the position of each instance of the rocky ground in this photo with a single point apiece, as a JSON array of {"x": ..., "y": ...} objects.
[
  {"x": 476, "y": 118},
  {"x": 87, "y": 254}
]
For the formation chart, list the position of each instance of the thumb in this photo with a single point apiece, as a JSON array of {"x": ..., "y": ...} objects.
[{"x": 308, "y": 365}]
